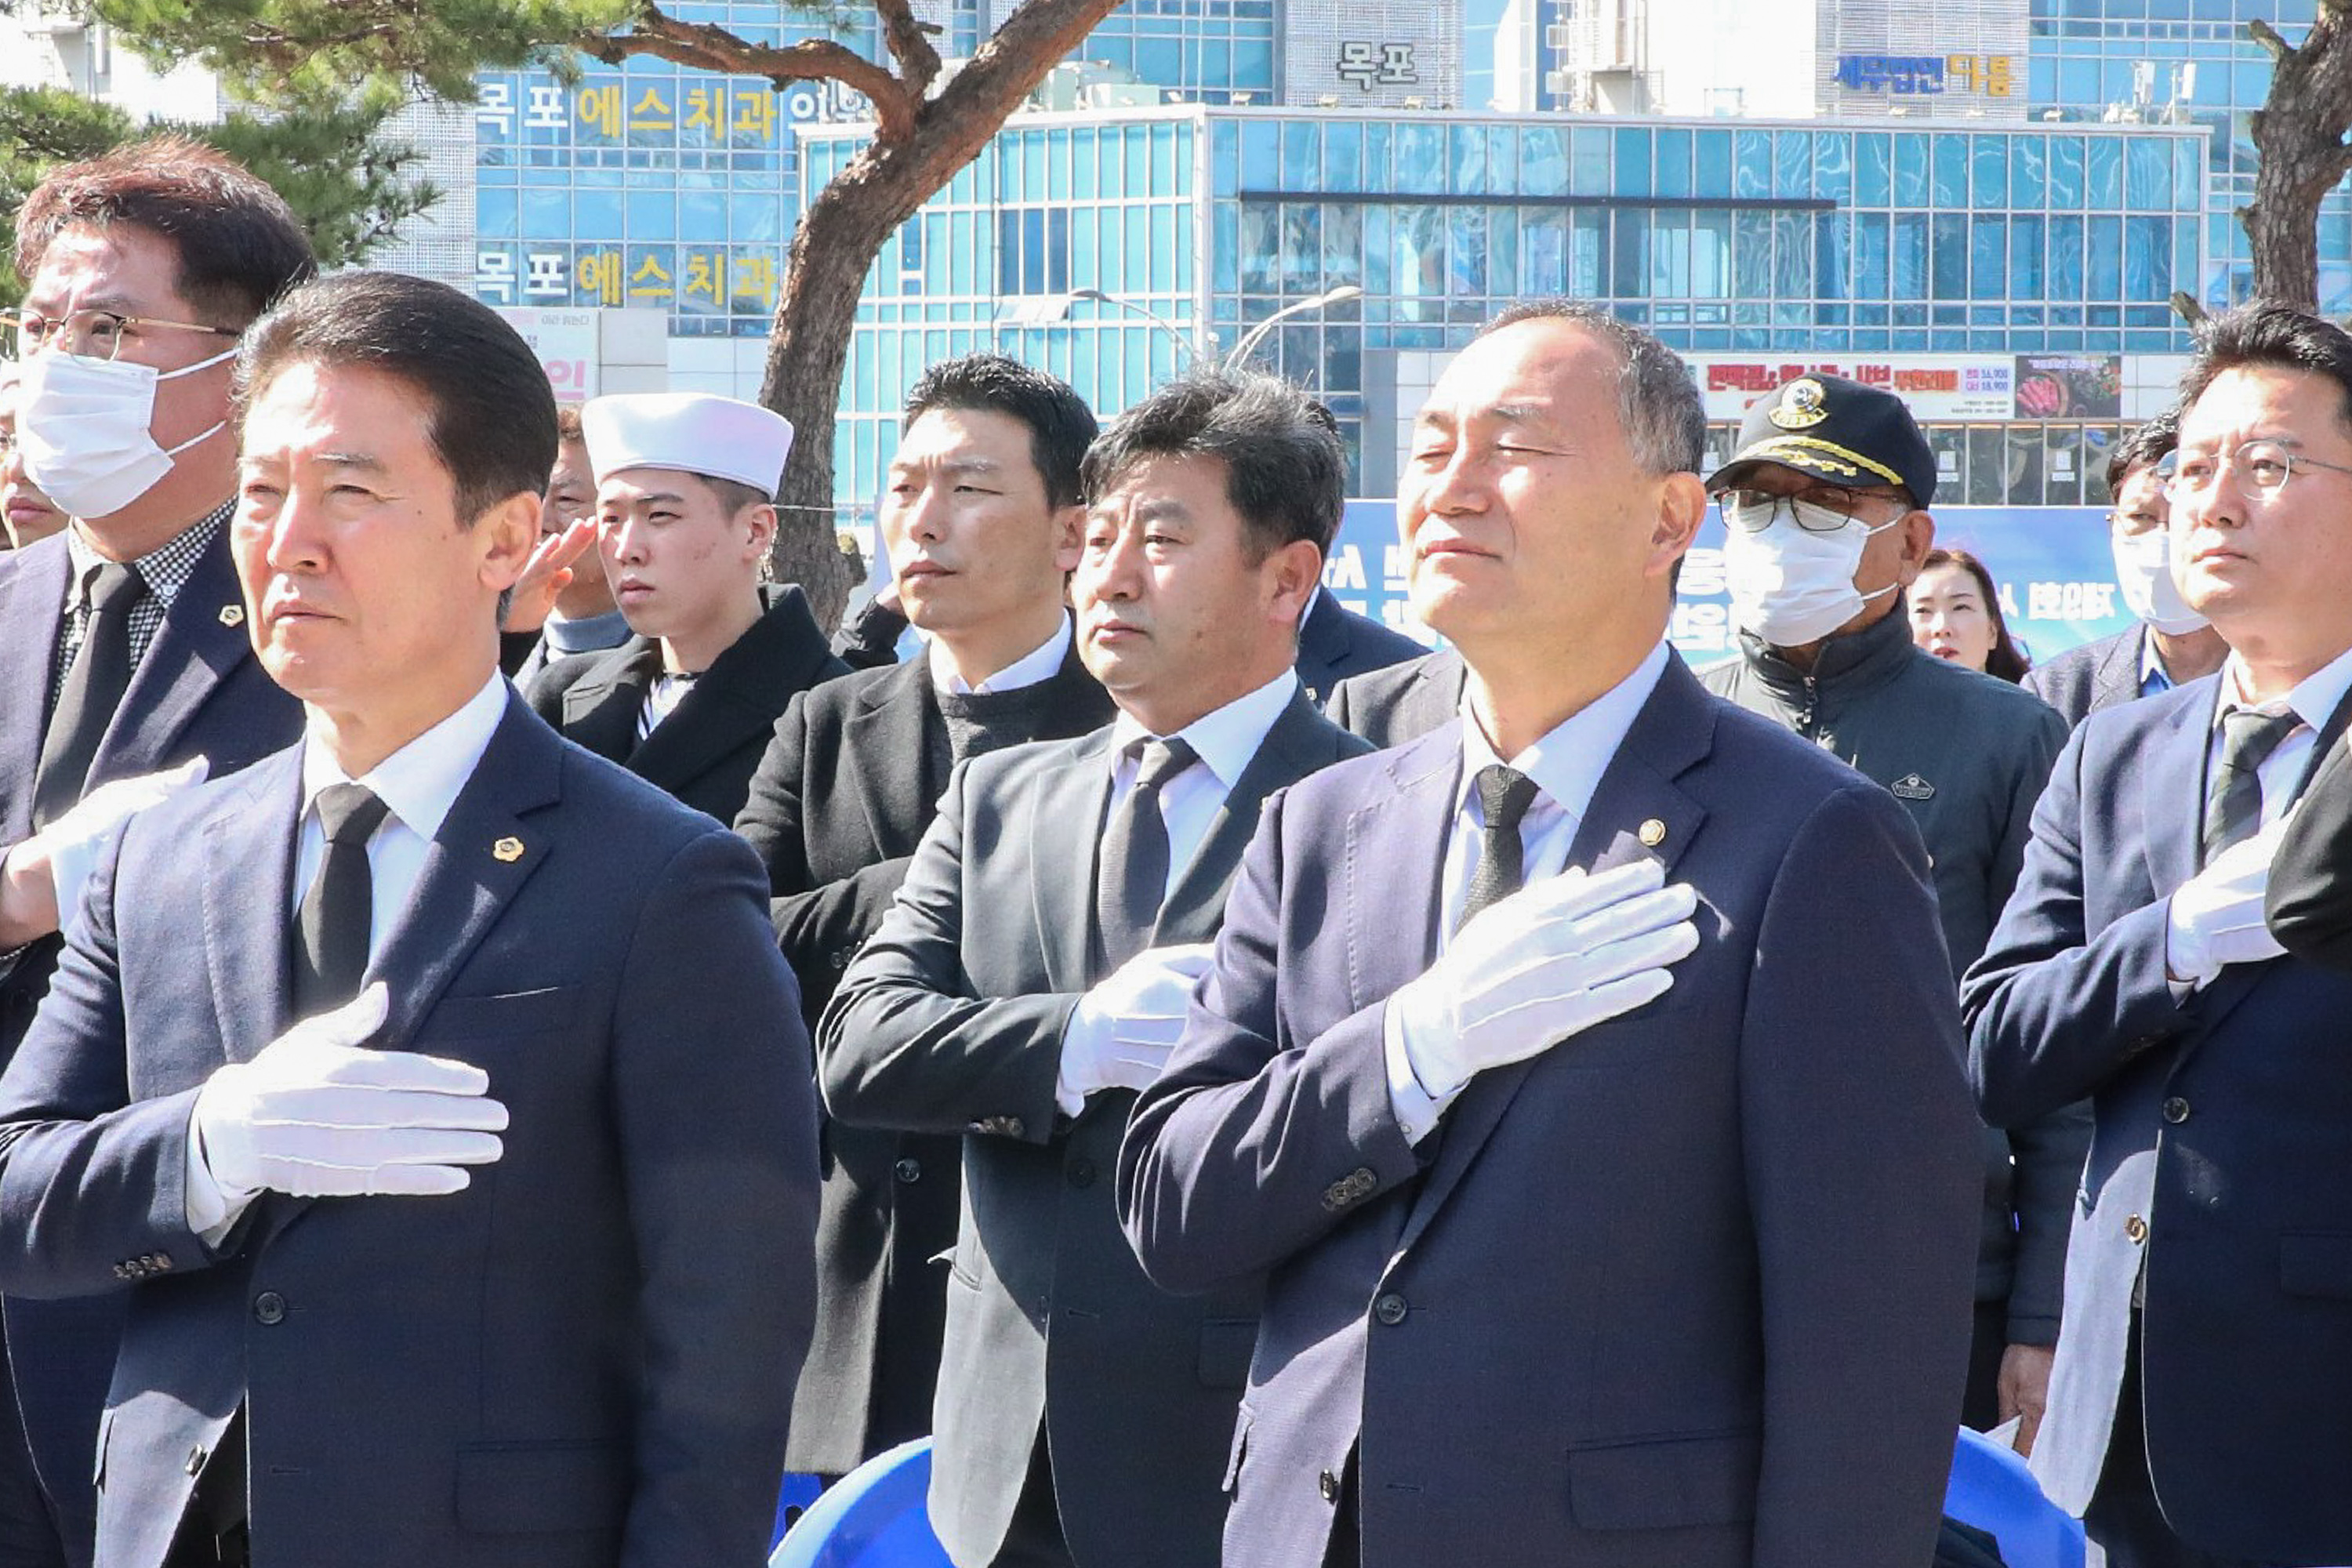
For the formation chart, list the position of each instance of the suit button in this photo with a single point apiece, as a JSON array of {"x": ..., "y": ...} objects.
[
  {"x": 270, "y": 1307},
  {"x": 2136, "y": 1228},
  {"x": 909, "y": 1171},
  {"x": 1082, "y": 1172},
  {"x": 2176, "y": 1110},
  {"x": 841, "y": 958},
  {"x": 1389, "y": 1308},
  {"x": 195, "y": 1460},
  {"x": 1014, "y": 1127},
  {"x": 1330, "y": 1485}
]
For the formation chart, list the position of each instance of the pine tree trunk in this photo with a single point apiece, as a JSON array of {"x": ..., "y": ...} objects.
[{"x": 2299, "y": 135}]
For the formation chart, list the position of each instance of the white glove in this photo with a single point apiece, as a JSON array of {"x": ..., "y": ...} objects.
[
  {"x": 315, "y": 1115},
  {"x": 1122, "y": 1032},
  {"x": 74, "y": 841},
  {"x": 1531, "y": 970},
  {"x": 2215, "y": 918}
]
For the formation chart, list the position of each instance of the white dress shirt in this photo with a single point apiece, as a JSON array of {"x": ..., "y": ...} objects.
[
  {"x": 1031, "y": 668},
  {"x": 1566, "y": 765},
  {"x": 1223, "y": 743},
  {"x": 2312, "y": 699},
  {"x": 418, "y": 783}
]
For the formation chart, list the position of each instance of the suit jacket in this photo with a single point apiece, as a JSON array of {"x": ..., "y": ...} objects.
[
  {"x": 950, "y": 1021},
  {"x": 2097, "y": 675},
  {"x": 1689, "y": 1289},
  {"x": 2310, "y": 900},
  {"x": 580, "y": 1359},
  {"x": 849, "y": 783},
  {"x": 199, "y": 692},
  {"x": 705, "y": 752},
  {"x": 1335, "y": 642},
  {"x": 2218, "y": 1161},
  {"x": 1402, "y": 702}
]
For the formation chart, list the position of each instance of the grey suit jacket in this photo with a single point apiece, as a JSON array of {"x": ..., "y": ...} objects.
[
  {"x": 2082, "y": 681},
  {"x": 1688, "y": 1290},
  {"x": 1402, "y": 702},
  {"x": 951, "y": 1020}
]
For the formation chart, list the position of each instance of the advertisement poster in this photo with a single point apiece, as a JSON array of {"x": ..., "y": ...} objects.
[{"x": 2052, "y": 564}]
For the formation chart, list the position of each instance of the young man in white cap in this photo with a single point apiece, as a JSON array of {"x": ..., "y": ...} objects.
[{"x": 684, "y": 517}]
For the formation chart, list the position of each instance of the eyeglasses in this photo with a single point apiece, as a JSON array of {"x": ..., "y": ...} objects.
[
  {"x": 99, "y": 334},
  {"x": 2265, "y": 463},
  {"x": 1753, "y": 511}
]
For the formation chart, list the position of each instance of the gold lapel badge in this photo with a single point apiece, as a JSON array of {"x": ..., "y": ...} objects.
[
  {"x": 232, "y": 615},
  {"x": 507, "y": 851},
  {"x": 1651, "y": 832}
]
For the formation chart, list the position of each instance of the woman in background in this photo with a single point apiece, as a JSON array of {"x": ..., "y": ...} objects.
[{"x": 1955, "y": 614}]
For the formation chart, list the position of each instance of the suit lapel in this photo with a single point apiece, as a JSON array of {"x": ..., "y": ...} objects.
[
  {"x": 885, "y": 761},
  {"x": 201, "y": 640},
  {"x": 1065, "y": 810},
  {"x": 1323, "y": 644},
  {"x": 738, "y": 697},
  {"x": 31, "y": 606},
  {"x": 1395, "y": 855},
  {"x": 2172, "y": 786},
  {"x": 249, "y": 881},
  {"x": 1636, "y": 802},
  {"x": 487, "y": 849},
  {"x": 1300, "y": 742},
  {"x": 2118, "y": 678},
  {"x": 601, "y": 710}
]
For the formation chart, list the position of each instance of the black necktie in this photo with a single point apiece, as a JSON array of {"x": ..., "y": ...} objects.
[
  {"x": 1505, "y": 795},
  {"x": 93, "y": 689},
  {"x": 1133, "y": 878},
  {"x": 330, "y": 931},
  {"x": 2233, "y": 794}
]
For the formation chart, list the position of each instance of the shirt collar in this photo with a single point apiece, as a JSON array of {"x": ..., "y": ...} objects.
[
  {"x": 1567, "y": 763},
  {"x": 2314, "y": 698},
  {"x": 419, "y": 782},
  {"x": 1224, "y": 739},
  {"x": 1035, "y": 667},
  {"x": 588, "y": 633},
  {"x": 2151, "y": 664},
  {"x": 165, "y": 569}
]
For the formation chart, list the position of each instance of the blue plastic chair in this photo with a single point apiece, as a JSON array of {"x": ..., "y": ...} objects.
[
  {"x": 1992, "y": 1488},
  {"x": 874, "y": 1517},
  {"x": 793, "y": 1499}
]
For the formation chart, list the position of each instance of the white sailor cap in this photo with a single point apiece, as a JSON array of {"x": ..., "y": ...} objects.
[{"x": 693, "y": 432}]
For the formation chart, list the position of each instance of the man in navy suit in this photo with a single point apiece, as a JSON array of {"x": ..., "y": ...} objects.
[
  {"x": 2195, "y": 1412},
  {"x": 123, "y": 643},
  {"x": 1626, "y": 1217},
  {"x": 432, "y": 1089}
]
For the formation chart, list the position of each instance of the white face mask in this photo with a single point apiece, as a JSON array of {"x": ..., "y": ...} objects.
[
  {"x": 82, "y": 425},
  {"x": 2144, "y": 571},
  {"x": 1792, "y": 585}
]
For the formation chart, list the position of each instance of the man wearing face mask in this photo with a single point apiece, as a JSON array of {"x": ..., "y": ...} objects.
[
  {"x": 2172, "y": 644},
  {"x": 1824, "y": 511},
  {"x": 123, "y": 646}
]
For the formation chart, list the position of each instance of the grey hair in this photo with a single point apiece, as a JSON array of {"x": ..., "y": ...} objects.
[{"x": 1657, "y": 402}]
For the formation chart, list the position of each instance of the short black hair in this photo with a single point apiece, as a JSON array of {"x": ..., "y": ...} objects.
[
  {"x": 2264, "y": 332},
  {"x": 492, "y": 418},
  {"x": 1061, "y": 425},
  {"x": 2148, "y": 443},
  {"x": 1286, "y": 471},
  {"x": 1658, "y": 404},
  {"x": 239, "y": 245}
]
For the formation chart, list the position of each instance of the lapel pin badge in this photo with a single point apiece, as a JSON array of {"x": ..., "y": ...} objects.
[
  {"x": 1651, "y": 832},
  {"x": 232, "y": 615},
  {"x": 507, "y": 851}
]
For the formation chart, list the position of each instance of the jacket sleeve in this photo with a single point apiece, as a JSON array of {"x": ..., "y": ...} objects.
[
  {"x": 715, "y": 1121},
  {"x": 908, "y": 1043},
  {"x": 2310, "y": 900},
  {"x": 89, "y": 1181},
  {"x": 1253, "y": 1145},
  {"x": 1864, "y": 1277},
  {"x": 2052, "y": 1008}
]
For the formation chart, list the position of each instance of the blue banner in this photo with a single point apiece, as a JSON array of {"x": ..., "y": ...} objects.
[{"x": 2053, "y": 565}]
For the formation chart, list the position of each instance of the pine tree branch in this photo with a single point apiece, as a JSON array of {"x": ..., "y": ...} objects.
[
  {"x": 2263, "y": 33},
  {"x": 909, "y": 44},
  {"x": 705, "y": 47}
]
